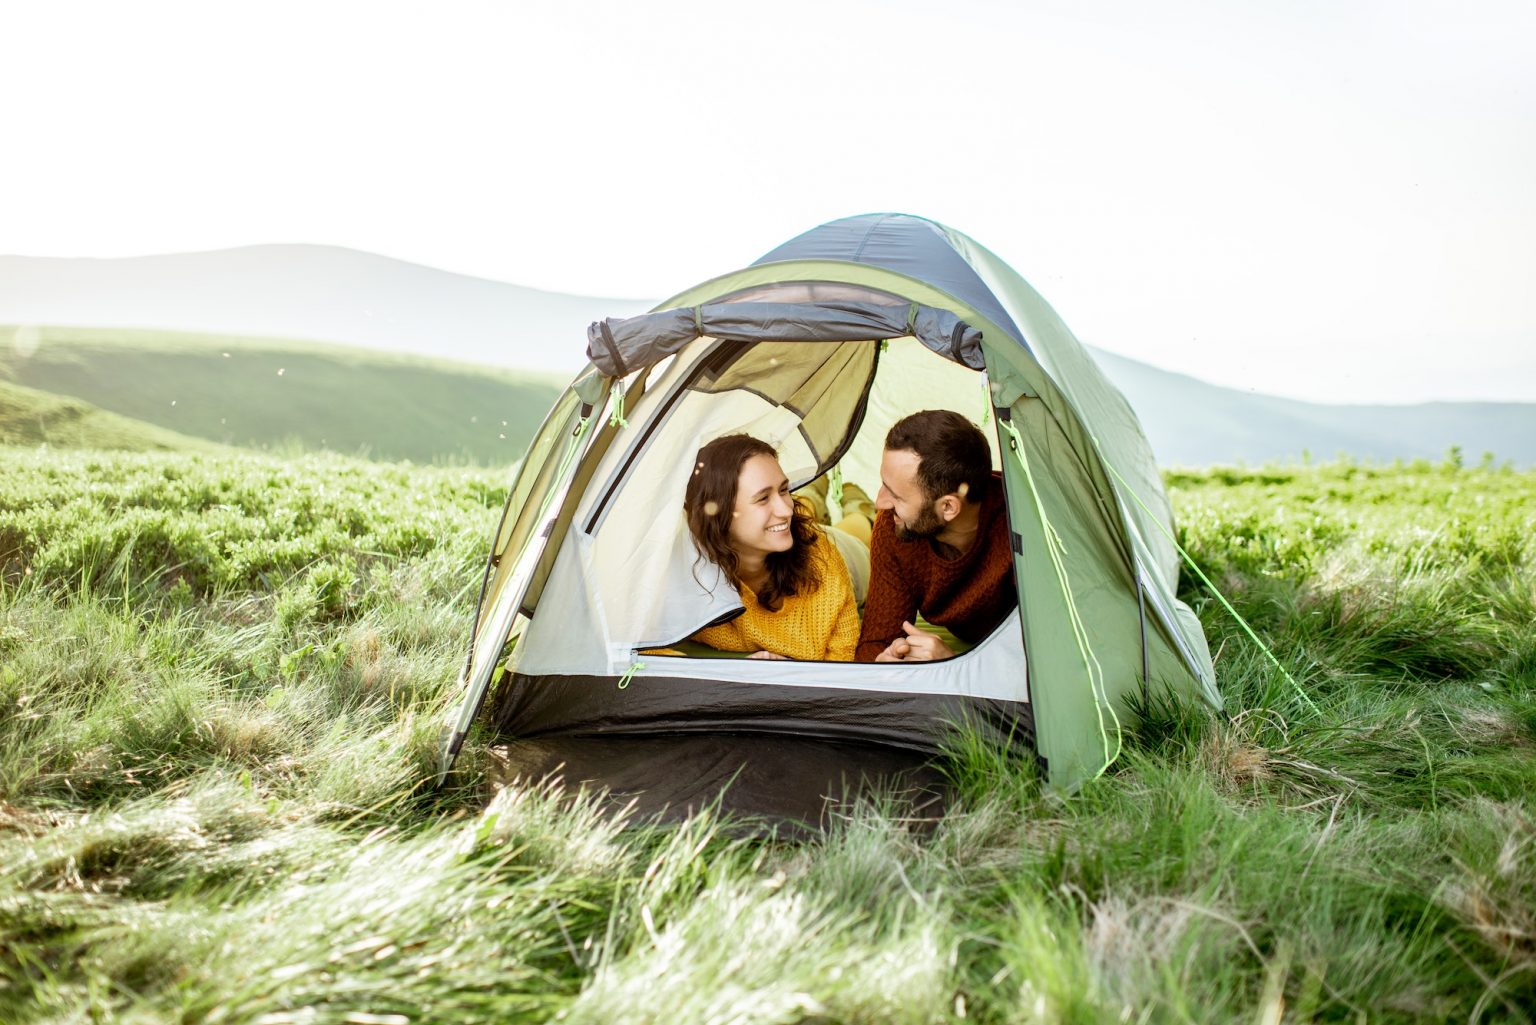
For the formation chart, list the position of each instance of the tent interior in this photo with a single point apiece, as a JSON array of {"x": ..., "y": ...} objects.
[
  {"x": 627, "y": 579},
  {"x": 822, "y": 405}
]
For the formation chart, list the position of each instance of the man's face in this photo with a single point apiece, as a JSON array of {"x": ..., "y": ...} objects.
[{"x": 900, "y": 492}]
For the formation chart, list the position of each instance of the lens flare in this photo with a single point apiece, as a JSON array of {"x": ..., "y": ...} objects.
[{"x": 25, "y": 340}]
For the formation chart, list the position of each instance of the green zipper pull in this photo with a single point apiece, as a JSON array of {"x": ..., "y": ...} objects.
[
  {"x": 617, "y": 416},
  {"x": 629, "y": 674}
]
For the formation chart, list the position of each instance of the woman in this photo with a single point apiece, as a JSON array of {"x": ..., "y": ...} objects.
[{"x": 795, "y": 587}]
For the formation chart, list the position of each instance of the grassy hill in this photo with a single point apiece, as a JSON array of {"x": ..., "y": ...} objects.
[
  {"x": 32, "y": 417},
  {"x": 251, "y": 392},
  {"x": 221, "y": 682}
]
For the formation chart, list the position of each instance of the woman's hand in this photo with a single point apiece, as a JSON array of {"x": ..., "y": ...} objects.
[{"x": 769, "y": 654}]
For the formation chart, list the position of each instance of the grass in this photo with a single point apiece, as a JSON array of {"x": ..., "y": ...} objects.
[
  {"x": 219, "y": 685},
  {"x": 278, "y": 395}
]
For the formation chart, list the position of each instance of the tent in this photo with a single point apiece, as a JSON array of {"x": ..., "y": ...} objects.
[{"x": 818, "y": 347}]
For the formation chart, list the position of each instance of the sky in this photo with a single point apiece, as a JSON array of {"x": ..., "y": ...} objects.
[{"x": 1333, "y": 201}]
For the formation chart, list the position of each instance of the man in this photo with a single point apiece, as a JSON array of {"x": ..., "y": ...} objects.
[{"x": 941, "y": 544}]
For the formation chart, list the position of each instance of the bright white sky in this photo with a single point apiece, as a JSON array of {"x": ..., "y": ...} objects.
[{"x": 1324, "y": 199}]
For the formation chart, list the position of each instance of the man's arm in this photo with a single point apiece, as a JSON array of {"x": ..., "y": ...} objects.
[{"x": 891, "y": 599}]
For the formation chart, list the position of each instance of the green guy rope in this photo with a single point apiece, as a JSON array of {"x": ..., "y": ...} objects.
[{"x": 1190, "y": 562}]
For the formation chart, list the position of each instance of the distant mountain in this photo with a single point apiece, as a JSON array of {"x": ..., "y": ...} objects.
[
  {"x": 1192, "y": 423},
  {"x": 327, "y": 294},
  {"x": 311, "y": 293}
]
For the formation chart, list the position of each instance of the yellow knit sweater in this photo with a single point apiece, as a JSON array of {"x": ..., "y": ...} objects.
[{"x": 820, "y": 626}]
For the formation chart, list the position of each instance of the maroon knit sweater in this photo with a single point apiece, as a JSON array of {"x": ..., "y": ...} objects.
[{"x": 969, "y": 595}]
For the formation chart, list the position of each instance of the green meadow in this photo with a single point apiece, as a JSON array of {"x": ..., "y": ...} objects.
[{"x": 221, "y": 678}]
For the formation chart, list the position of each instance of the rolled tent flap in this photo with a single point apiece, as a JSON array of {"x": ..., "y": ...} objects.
[{"x": 620, "y": 346}]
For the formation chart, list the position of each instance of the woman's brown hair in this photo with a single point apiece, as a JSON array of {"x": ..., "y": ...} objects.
[{"x": 710, "y": 502}]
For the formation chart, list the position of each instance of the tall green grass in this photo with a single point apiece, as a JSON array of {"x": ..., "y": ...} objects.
[{"x": 219, "y": 687}]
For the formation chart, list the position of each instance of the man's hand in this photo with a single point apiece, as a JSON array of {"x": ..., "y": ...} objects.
[
  {"x": 916, "y": 646},
  {"x": 896, "y": 651},
  {"x": 769, "y": 654}
]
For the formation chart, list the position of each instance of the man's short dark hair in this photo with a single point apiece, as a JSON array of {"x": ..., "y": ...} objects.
[{"x": 951, "y": 451}]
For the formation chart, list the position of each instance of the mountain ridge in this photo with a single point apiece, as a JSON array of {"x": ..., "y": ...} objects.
[
  {"x": 309, "y": 292},
  {"x": 333, "y": 296}
]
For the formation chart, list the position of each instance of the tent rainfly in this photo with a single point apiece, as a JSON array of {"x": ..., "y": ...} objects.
[{"x": 818, "y": 348}]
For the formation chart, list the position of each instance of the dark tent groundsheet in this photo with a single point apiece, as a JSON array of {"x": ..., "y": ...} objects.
[{"x": 761, "y": 782}]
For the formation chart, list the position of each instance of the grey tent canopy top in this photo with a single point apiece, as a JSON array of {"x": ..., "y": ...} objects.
[
  {"x": 618, "y": 347},
  {"x": 912, "y": 246}
]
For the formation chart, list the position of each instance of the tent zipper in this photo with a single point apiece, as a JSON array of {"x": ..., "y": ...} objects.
[
  {"x": 720, "y": 620},
  {"x": 655, "y": 422}
]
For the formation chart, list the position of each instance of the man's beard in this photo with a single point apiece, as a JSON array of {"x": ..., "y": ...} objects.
[{"x": 926, "y": 527}]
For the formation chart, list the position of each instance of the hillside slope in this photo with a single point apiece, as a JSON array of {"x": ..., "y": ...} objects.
[
  {"x": 267, "y": 393},
  {"x": 32, "y": 417}
]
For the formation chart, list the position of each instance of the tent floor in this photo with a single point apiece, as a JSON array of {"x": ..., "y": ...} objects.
[{"x": 763, "y": 783}]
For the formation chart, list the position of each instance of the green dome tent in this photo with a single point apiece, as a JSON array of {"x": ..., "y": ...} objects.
[{"x": 818, "y": 347}]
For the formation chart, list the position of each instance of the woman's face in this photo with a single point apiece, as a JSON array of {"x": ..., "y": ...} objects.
[{"x": 764, "y": 507}]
